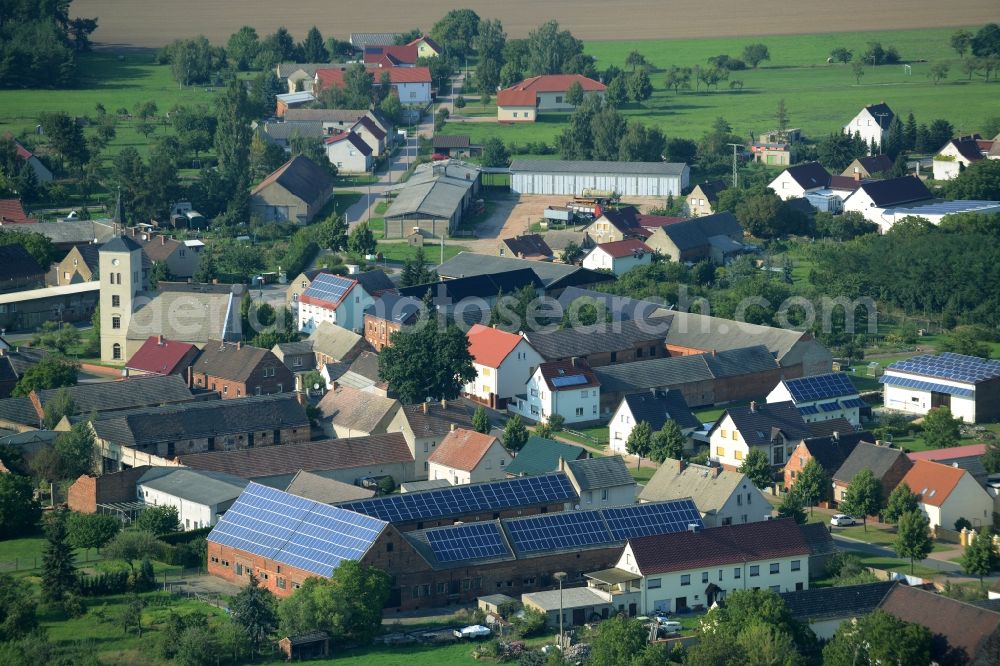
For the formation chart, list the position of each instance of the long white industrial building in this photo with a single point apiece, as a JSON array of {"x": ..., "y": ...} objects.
[{"x": 653, "y": 179}]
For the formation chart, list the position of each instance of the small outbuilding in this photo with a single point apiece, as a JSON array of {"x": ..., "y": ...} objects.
[{"x": 315, "y": 645}]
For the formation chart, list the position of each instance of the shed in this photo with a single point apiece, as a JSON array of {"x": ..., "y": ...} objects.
[{"x": 305, "y": 646}]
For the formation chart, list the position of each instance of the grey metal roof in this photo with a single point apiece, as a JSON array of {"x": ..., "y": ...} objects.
[
  {"x": 335, "y": 341},
  {"x": 595, "y": 473},
  {"x": 570, "y": 597},
  {"x": 688, "y": 329},
  {"x": 435, "y": 191},
  {"x": 677, "y": 370},
  {"x": 417, "y": 486},
  {"x": 202, "y": 419},
  {"x": 620, "y": 307},
  {"x": 879, "y": 459},
  {"x": 285, "y": 131},
  {"x": 615, "y": 336},
  {"x": 360, "y": 40},
  {"x": 656, "y": 407},
  {"x": 197, "y": 486},
  {"x": 186, "y": 316},
  {"x": 328, "y": 491},
  {"x": 81, "y": 231},
  {"x": 552, "y": 275},
  {"x": 758, "y": 422},
  {"x": 596, "y": 167},
  {"x": 821, "y": 603}
]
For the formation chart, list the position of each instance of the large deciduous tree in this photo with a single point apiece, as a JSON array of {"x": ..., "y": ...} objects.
[
  {"x": 878, "y": 638},
  {"x": 640, "y": 441},
  {"x": 254, "y": 609},
  {"x": 941, "y": 429},
  {"x": 913, "y": 537},
  {"x": 758, "y": 468},
  {"x": 427, "y": 361},
  {"x": 19, "y": 510},
  {"x": 980, "y": 558},
  {"x": 863, "y": 496},
  {"x": 901, "y": 500}
]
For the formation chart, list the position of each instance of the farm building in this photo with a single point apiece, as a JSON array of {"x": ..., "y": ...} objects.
[
  {"x": 968, "y": 385},
  {"x": 655, "y": 179},
  {"x": 434, "y": 200}
]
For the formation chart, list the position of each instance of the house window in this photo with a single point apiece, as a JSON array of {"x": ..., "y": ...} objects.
[
  {"x": 775, "y": 567},
  {"x": 579, "y": 411},
  {"x": 604, "y": 495},
  {"x": 116, "y": 322},
  {"x": 559, "y": 99},
  {"x": 116, "y": 301},
  {"x": 685, "y": 579},
  {"x": 754, "y": 570},
  {"x": 796, "y": 565},
  {"x": 614, "y": 356},
  {"x": 720, "y": 451},
  {"x": 739, "y": 500},
  {"x": 583, "y": 394},
  {"x": 735, "y": 436},
  {"x": 739, "y": 455},
  {"x": 652, "y": 350},
  {"x": 116, "y": 351},
  {"x": 776, "y": 589},
  {"x": 654, "y": 583},
  {"x": 724, "y": 435},
  {"x": 737, "y": 572},
  {"x": 704, "y": 576},
  {"x": 281, "y": 583}
]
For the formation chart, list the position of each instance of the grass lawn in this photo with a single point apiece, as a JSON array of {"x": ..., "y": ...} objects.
[
  {"x": 405, "y": 655},
  {"x": 878, "y": 536},
  {"x": 820, "y": 97},
  {"x": 401, "y": 251},
  {"x": 889, "y": 563},
  {"x": 355, "y": 180},
  {"x": 26, "y": 549}
]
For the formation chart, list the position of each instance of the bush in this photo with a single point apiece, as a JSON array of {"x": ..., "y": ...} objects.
[
  {"x": 386, "y": 485},
  {"x": 962, "y": 523},
  {"x": 459, "y": 102},
  {"x": 103, "y": 584},
  {"x": 530, "y": 622},
  {"x": 188, "y": 555}
]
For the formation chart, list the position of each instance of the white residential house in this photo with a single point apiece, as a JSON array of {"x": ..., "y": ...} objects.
[
  {"x": 619, "y": 257},
  {"x": 797, "y": 181},
  {"x": 340, "y": 300},
  {"x": 877, "y": 199},
  {"x": 872, "y": 123},
  {"x": 774, "y": 428},
  {"x": 821, "y": 397},
  {"x": 568, "y": 388},
  {"x": 653, "y": 407},
  {"x": 370, "y": 133},
  {"x": 958, "y": 155},
  {"x": 467, "y": 456},
  {"x": 676, "y": 572},
  {"x": 600, "y": 482},
  {"x": 723, "y": 497},
  {"x": 200, "y": 496},
  {"x": 947, "y": 493},
  {"x": 348, "y": 152},
  {"x": 504, "y": 362}
]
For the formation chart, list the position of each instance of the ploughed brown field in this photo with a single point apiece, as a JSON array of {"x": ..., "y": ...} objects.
[{"x": 153, "y": 23}]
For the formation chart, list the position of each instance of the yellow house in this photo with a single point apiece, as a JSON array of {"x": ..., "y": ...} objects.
[
  {"x": 522, "y": 101},
  {"x": 426, "y": 47}
]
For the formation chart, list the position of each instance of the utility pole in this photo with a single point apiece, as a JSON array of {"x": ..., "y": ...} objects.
[{"x": 735, "y": 163}]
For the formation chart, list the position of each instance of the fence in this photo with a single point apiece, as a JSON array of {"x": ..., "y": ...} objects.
[{"x": 35, "y": 561}]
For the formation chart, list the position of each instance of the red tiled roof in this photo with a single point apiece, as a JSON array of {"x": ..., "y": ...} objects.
[
  {"x": 932, "y": 481},
  {"x": 490, "y": 346},
  {"x": 624, "y": 248},
  {"x": 462, "y": 449},
  {"x": 159, "y": 355},
  {"x": 406, "y": 55},
  {"x": 525, "y": 92},
  {"x": 954, "y": 452},
  {"x": 965, "y": 628},
  {"x": 750, "y": 542},
  {"x": 405, "y": 75},
  {"x": 844, "y": 183},
  {"x": 11, "y": 212},
  {"x": 327, "y": 77},
  {"x": 555, "y": 369}
]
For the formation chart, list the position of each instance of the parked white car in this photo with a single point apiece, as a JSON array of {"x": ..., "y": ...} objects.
[
  {"x": 473, "y": 631},
  {"x": 842, "y": 520}
]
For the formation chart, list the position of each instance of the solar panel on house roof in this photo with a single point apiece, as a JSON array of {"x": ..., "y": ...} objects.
[
  {"x": 558, "y": 530},
  {"x": 830, "y": 406},
  {"x": 956, "y": 367},
  {"x": 295, "y": 531},
  {"x": 466, "y": 542},
  {"x": 329, "y": 288},
  {"x": 808, "y": 410},
  {"x": 570, "y": 380},
  {"x": 819, "y": 387},
  {"x": 908, "y": 382},
  {"x": 853, "y": 402},
  {"x": 627, "y": 522},
  {"x": 468, "y": 498}
]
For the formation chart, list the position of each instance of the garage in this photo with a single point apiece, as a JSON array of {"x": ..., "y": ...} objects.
[{"x": 571, "y": 178}]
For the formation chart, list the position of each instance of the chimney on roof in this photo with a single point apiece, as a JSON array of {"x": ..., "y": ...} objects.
[
  {"x": 680, "y": 466},
  {"x": 753, "y": 406},
  {"x": 562, "y": 464},
  {"x": 955, "y": 465},
  {"x": 879, "y": 442},
  {"x": 163, "y": 240},
  {"x": 215, "y": 280},
  {"x": 425, "y": 406},
  {"x": 239, "y": 345},
  {"x": 159, "y": 340},
  {"x": 836, "y": 436},
  {"x": 444, "y": 404},
  {"x": 451, "y": 427},
  {"x": 574, "y": 360},
  {"x": 857, "y": 175}
]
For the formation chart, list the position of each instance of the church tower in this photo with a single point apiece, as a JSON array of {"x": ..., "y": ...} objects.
[{"x": 120, "y": 271}]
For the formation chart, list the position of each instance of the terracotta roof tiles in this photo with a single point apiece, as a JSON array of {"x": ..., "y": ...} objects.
[{"x": 462, "y": 449}]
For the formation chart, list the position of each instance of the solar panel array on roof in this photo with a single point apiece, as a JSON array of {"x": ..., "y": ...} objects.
[
  {"x": 853, "y": 402},
  {"x": 830, "y": 406},
  {"x": 467, "y": 542},
  {"x": 818, "y": 387},
  {"x": 808, "y": 410},
  {"x": 628, "y": 522},
  {"x": 558, "y": 530},
  {"x": 908, "y": 382},
  {"x": 956, "y": 367},
  {"x": 569, "y": 380},
  {"x": 468, "y": 498},
  {"x": 295, "y": 531},
  {"x": 330, "y": 288}
]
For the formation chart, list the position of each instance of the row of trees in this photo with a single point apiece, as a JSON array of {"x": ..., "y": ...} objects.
[{"x": 39, "y": 43}]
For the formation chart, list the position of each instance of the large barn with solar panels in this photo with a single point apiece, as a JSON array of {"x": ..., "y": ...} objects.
[
  {"x": 283, "y": 539},
  {"x": 821, "y": 397},
  {"x": 968, "y": 385}
]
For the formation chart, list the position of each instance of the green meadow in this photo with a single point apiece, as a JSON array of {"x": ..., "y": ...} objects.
[{"x": 819, "y": 97}]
